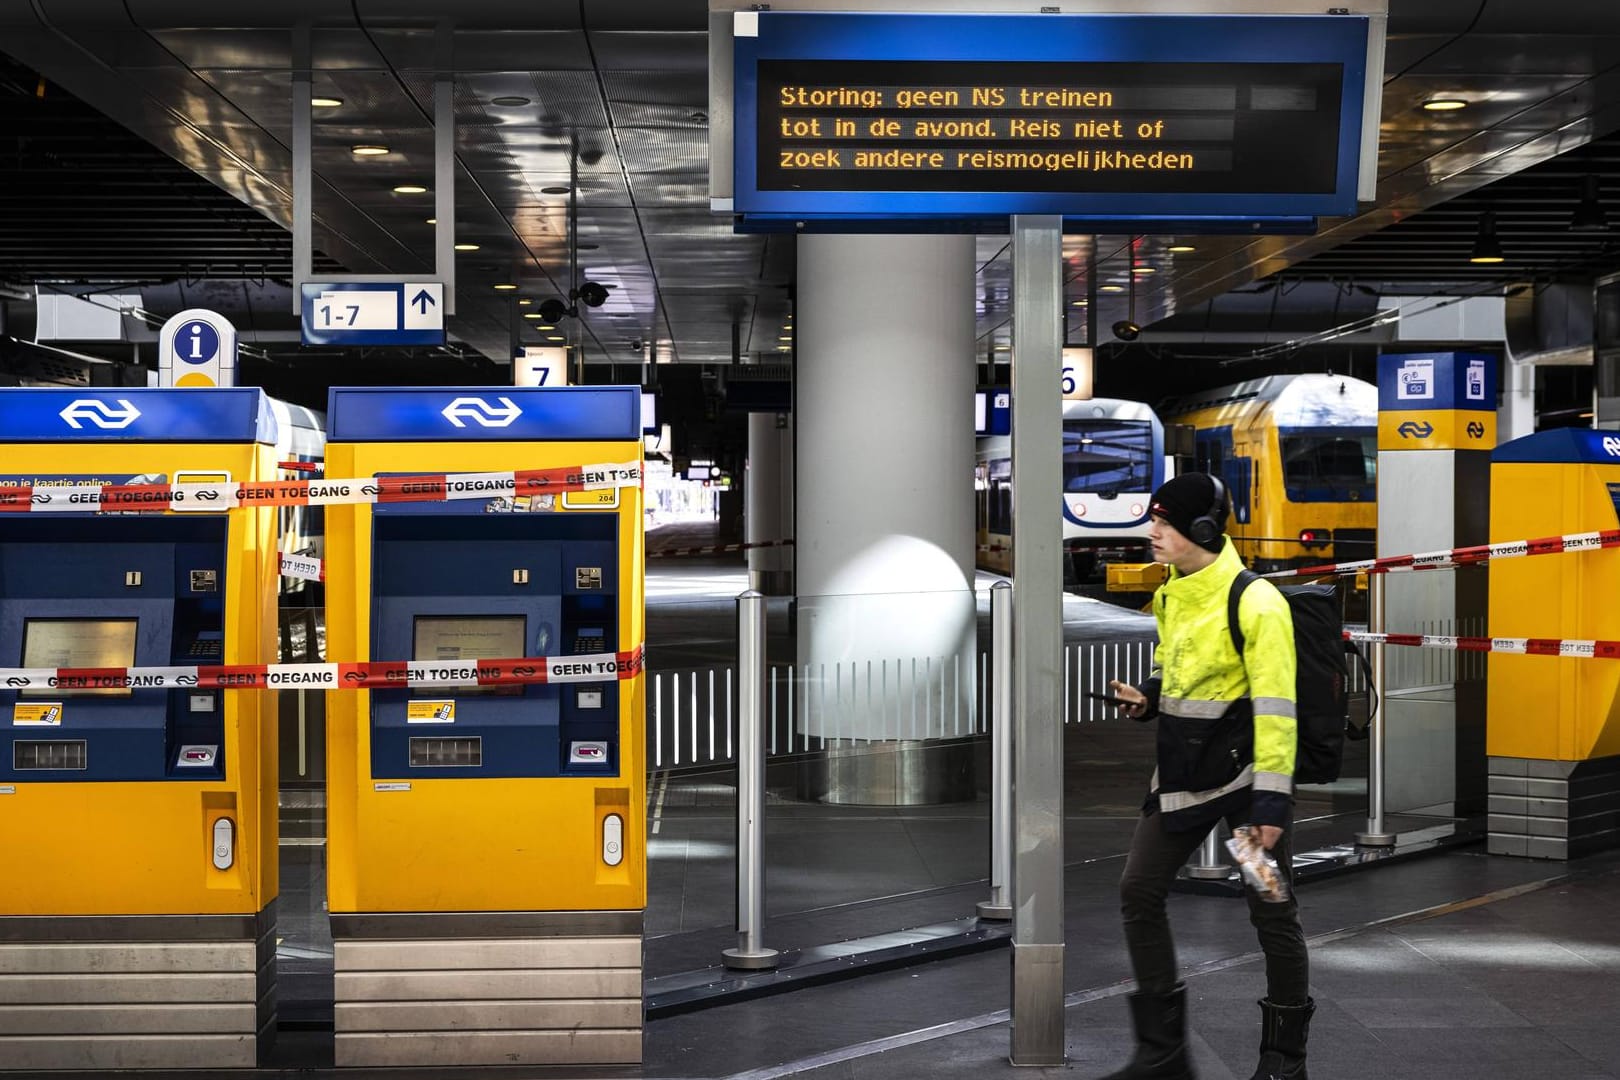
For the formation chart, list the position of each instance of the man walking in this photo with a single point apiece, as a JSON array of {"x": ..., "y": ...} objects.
[{"x": 1226, "y": 746}]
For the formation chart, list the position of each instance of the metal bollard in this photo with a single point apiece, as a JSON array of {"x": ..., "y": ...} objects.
[
  {"x": 1377, "y": 834},
  {"x": 999, "y": 906},
  {"x": 750, "y": 953},
  {"x": 1207, "y": 864}
]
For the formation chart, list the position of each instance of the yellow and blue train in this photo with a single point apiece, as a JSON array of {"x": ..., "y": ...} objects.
[
  {"x": 1299, "y": 454},
  {"x": 1113, "y": 458}
]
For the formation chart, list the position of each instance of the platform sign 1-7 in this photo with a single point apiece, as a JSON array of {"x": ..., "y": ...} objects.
[{"x": 372, "y": 313}]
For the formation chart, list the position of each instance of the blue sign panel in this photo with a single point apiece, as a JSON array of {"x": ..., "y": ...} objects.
[
  {"x": 1584, "y": 445},
  {"x": 372, "y": 313},
  {"x": 1421, "y": 382},
  {"x": 483, "y": 413},
  {"x": 1195, "y": 121},
  {"x": 136, "y": 414}
]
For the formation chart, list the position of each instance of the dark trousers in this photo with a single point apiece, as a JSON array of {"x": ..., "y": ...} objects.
[{"x": 1156, "y": 855}]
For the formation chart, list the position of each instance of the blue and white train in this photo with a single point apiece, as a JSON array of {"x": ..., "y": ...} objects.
[{"x": 1113, "y": 459}]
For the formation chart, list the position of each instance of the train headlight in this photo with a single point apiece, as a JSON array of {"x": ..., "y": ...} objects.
[
  {"x": 1316, "y": 537},
  {"x": 1136, "y": 509}
]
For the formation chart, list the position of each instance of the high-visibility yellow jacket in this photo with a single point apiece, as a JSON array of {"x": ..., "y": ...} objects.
[{"x": 1214, "y": 760}]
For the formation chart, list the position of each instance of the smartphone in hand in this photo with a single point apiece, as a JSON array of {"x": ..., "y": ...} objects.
[{"x": 1111, "y": 699}]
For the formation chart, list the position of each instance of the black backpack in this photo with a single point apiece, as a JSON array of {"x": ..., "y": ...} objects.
[{"x": 1321, "y": 703}]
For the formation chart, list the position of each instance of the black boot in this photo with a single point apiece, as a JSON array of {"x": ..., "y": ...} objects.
[
  {"x": 1283, "y": 1031},
  {"x": 1161, "y": 1038}
]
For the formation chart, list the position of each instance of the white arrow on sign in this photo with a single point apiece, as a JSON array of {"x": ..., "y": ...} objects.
[
  {"x": 481, "y": 412},
  {"x": 100, "y": 413}
]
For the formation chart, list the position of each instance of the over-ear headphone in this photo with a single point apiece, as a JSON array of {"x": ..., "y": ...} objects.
[{"x": 1207, "y": 527}]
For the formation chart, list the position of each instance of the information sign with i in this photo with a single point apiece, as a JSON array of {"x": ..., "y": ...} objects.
[{"x": 197, "y": 348}]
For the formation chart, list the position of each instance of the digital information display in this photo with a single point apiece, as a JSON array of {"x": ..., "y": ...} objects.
[
  {"x": 78, "y": 643},
  {"x": 1170, "y": 116}
]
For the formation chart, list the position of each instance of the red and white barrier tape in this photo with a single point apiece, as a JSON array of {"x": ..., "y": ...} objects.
[
  {"x": 302, "y": 567},
  {"x": 589, "y": 667},
  {"x": 1585, "y": 649},
  {"x": 434, "y": 487},
  {"x": 1463, "y": 556},
  {"x": 716, "y": 549}
]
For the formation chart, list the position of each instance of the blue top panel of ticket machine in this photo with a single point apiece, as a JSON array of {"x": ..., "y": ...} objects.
[
  {"x": 137, "y": 414},
  {"x": 487, "y": 579},
  {"x": 483, "y": 414}
]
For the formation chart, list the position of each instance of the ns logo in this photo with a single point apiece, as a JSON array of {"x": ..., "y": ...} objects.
[{"x": 1611, "y": 446}]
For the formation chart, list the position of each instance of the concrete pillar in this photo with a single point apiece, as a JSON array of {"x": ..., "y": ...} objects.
[
  {"x": 1517, "y": 416},
  {"x": 885, "y": 616},
  {"x": 768, "y": 502}
]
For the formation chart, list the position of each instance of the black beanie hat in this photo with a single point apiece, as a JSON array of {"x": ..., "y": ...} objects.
[{"x": 1186, "y": 498}]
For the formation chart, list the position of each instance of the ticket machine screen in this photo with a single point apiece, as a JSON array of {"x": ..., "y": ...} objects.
[
  {"x": 78, "y": 643},
  {"x": 469, "y": 637}
]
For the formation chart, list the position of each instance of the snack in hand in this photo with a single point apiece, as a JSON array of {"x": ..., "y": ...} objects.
[{"x": 1259, "y": 869}]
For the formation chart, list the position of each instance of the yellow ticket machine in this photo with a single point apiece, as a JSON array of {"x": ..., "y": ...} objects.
[
  {"x": 137, "y": 811},
  {"x": 486, "y": 857},
  {"x": 1553, "y": 721}
]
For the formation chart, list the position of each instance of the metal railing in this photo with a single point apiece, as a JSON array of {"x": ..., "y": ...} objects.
[{"x": 692, "y": 713}]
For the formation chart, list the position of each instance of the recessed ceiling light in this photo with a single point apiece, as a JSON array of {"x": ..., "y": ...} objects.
[
  {"x": 555, "y": 337},
  {"x": 1110, "y": 288},
  {"x": 554, "y": 190},
  {"x": 409, "y": 189},
  {"x": 532, "y": 314},
  {"x": 784, "y": 337},
  {"x": 510, "y": 101},
  {"x": 1444, "y": 104},
  {"x": 370, "y": 150},
  {"x": 1003, "y": 348},
  {"x": 466, "y": 247},
  {"x": 1140, "y": 270},
  {"x": 525, "y": 302},
  {"x": 545, "y": 327},
  {"x": 506, "y": 285},
  {"x": 1081, "y": 303},
  {"x": 784, "y": 348},
  {"x": 325, "y": 101},
  {"x": 432, "y": 221},
  {"x": 1180, "y": 248}
]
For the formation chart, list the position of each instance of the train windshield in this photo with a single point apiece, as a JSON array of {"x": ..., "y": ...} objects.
[
  {"x": 1107, "y": 456},
  {"x": 1329, "y": 466}
]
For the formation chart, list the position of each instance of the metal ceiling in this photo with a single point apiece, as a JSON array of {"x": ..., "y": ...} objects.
[
  {"x": 626, "y": 82},
  {"x": 1533, "y": 213}
]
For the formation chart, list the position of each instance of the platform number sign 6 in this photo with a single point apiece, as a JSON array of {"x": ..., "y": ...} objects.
[{"x": 1077, "y": 373}]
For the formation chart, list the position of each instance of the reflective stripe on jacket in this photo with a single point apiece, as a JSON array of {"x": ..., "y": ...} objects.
[{"x": 1198, "y": 676}]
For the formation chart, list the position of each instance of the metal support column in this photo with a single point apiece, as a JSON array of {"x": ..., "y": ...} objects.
[
  {"x": 1037, "y": 618},
  {"x": 1207, "y": 864},
  {"x": 444, "y": 163},
  {"x": 303, "y": 170},
  {"x": 999, "y": 906},
  {"x": 750, "y": 953},
  {"x": 1377, "y": 835}
]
